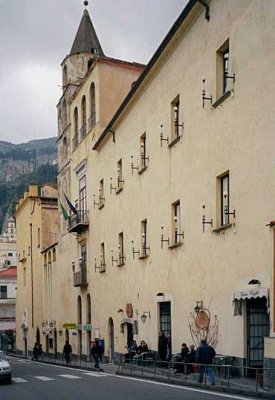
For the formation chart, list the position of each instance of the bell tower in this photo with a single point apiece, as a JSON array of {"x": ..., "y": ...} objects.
[{"x": 86, "y": 47}]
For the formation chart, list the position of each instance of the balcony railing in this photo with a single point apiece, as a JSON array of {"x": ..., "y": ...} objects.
[
  {"x": 80, "y": 277},
  {"x": 78, "y": 222}
]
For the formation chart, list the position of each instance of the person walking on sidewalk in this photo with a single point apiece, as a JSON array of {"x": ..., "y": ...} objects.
[
  {"x": 96, "y": 352},
  {"x": 162, "y": 349},
  {"x": 35, "y": 352},
  {"x": 67, "y": 349},
  {"x": 204, "y": 356}
]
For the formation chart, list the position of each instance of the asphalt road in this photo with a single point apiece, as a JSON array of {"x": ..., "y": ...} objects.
[{"x": 37, "y": 381}]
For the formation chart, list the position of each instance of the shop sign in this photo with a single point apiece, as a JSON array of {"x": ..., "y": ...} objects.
[
  {"x": 69, "y": 325},
  {"x": 87, "y": 327}
]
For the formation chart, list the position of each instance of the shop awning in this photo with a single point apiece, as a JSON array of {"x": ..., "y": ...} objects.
[{"x": 251, "y": 294}]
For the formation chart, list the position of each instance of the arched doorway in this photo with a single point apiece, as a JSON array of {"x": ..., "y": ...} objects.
[{"x": 111, "y": 339}]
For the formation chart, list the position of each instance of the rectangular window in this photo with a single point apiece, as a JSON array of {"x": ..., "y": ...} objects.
[
  {"x": 121, "y": 257},
  {"x": 101, "y": 199},
  {"x": 24, "y": 276},
  {"x": 82, "y": 195},
  {"x": 144, "y": 239},
  {"x": 222, "y": 66},
  {"x": 176, "y": 223},
  {"x": 143, "y": 152},
  {"x": 120, "y": 180},
  {"x": 225, "y": 196},
  {"x": 38, "y": 237},
  {"x": 3, "y": 292}
]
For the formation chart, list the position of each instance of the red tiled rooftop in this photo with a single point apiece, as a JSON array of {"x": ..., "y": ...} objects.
[{"x": 9, "y": 273}]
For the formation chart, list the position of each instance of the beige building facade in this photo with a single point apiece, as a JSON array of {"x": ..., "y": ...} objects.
[
  {"x": 37, "y": 228},
  {"x": 176, "y": 163}
]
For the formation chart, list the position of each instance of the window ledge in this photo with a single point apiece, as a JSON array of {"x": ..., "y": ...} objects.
[
  {"x": 221, "y": 99},
  {"x": 119, "y": 190},
  {"x": 101, "y": 206},
  {"x": 174, "y": 141},
  {"x": 143, "y": 256},
  {"x": 222, "y": 228},
  {"x": 175, "y": 245},
  {"x": 142, "y": 169}
]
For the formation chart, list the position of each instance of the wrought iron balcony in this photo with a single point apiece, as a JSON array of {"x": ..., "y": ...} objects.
[
  {"x": 80, "y": 277},
  {"x": 78, "y": 222}
]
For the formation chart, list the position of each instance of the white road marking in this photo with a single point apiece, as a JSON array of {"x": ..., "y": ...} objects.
[
  {"x": 96, "y": 374},
  {"x": 212, "y": 393},
  {"x": 44, "y": 378},
  {"x": 19, "y": 380},
  {"x": 70, "y": 376},
  {"x": 20, "y": 360}
]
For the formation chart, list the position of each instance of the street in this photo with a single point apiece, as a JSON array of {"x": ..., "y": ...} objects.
[{"x": 34, "y": 380}]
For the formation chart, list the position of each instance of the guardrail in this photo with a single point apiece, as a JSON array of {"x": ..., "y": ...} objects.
[{"x": 245, "y": 379}]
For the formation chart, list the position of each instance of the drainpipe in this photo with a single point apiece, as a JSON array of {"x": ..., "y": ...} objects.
[
  {"x": 206, "y": 5},
  {"x": 31, "y": 273}
]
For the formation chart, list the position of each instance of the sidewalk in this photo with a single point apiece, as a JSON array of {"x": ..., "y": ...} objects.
[{"x": 235, "y": 385}]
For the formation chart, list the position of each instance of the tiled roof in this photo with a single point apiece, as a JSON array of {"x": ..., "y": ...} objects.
[{"x": 9, "y": 273}]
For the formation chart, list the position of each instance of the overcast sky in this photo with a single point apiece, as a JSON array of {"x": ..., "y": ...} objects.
[{"x": 35, "y": 36}]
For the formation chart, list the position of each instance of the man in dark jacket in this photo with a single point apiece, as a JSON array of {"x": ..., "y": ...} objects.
[
  {"x": 204, "y": 356},
  {"x": 162, "y": 348},
  {"x": 96, "y": 352},
  {"x": 67, "y": 349}
]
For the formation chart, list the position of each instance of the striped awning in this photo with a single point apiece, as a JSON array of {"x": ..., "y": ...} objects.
[{"x": 251, "y": 294}]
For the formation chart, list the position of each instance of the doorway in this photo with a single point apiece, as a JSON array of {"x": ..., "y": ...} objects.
[
  {"x": 257, "y": 330},
  {"x": 111, "y": 349},
  {"x": 165, "y": 323}
]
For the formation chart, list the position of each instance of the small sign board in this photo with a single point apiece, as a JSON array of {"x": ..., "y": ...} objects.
[{"x": 69, "y": 325}]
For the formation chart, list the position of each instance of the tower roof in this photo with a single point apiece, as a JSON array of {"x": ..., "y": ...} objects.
[{"x": 86, "y": 39}]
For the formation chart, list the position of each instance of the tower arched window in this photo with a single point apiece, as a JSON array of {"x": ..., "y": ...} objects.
[
  {"x": 75, "y": 138},
  {"x": 83, "y": 129},
  {"x": 92, "y": 119},
  {"x": 65, "y": 78},
  {"x": 64, "y": 121}
]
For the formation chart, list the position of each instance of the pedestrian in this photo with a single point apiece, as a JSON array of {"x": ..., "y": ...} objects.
[
  {"x": 67, "y": 349},
  {"x": 169, "y": 347},
  {"x": 162, "y": 348},
  {"x": 96, "y": 352},
  {"x": 40, "y": 350},
  {"x": 179, "y": 365},
  {"x": 204, "y": 356},
  {"x": 132, "y": 350},
  {"x": 141, "y": 350},
  {"x": 35, "y": 352}
]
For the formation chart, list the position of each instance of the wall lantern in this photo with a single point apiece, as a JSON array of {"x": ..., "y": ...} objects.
[
  {"x": 204, "y": 218},
  {"x": 204, "y": 96},
  {"x": 135, "y": 251},
  {"x": 73, "y": 266},
  {"x": 111, "y": 186},
  {"x": 226, "y": 207},
  {"x": 119, "y": 310},
  {"x": 162, "y": 238},
  {"x": 198, "y": 307},
  {"x": 132, "y": 165},
  {"x": 144, "y": 316},
  {"x": 162, "y": 138}
]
